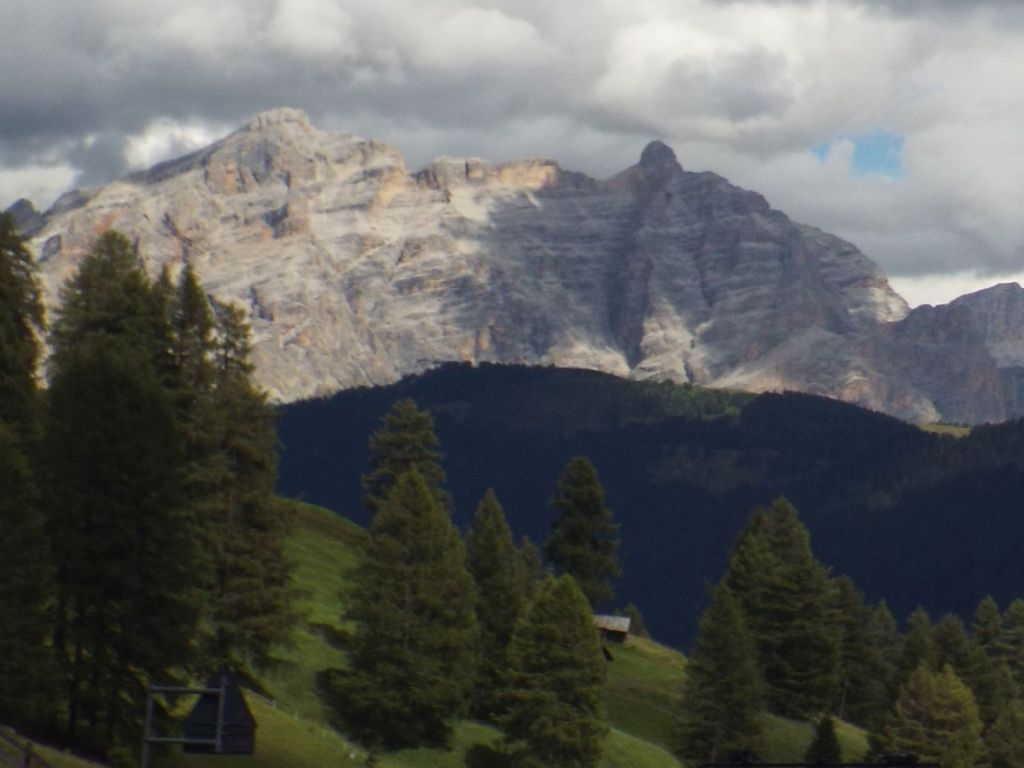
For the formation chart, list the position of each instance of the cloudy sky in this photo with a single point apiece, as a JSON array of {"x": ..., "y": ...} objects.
[{"x": 898, "y": 124}]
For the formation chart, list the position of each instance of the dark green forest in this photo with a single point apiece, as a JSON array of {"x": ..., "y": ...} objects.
[{"x": 913, "y": 517}]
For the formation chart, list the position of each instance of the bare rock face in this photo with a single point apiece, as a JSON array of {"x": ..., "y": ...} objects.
[{"x": 357, "y": 272}]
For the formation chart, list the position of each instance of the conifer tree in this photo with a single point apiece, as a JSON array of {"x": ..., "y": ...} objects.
[
  {"x": 864, "y": 647},
  {"x": 936, "y": 719},
  {"x": 533, "y": 566},
  {"x": 244, "y": 525},
  {"x": 126, "y": 578},
  {"x": 26, "y": 665},
  {"x": 884, "y": 641},
  {"x": 1004, "y": 741},
  {"x": 918, "y": 646},
  {"x": 951, "y": 645},
  {"x": 786, "y": 601},
  {"x": 991, "y": 682},
  {"x": 824, "y": 748},
  {"x": 723, "y": 695},
  {"x": 498, "y": 572},
  {"x": 21, "y": 319},
  {"x": 987, "y": 624},
  {"x": 1011, "y": 640},
  {"x": 405, "y": 440},
  {"x": 637, "y": 625},
  {"x": 584, "y": 540},
  {"x": 414, "y": 651},
  {"x": 555, "y": 712}
]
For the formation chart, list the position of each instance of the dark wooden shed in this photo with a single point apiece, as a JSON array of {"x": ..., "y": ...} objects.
[
  {"x": 613, "y": 629},
  {"x": 238, "y": 726}
]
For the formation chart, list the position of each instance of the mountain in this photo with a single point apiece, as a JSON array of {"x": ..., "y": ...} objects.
[
  {"x": 357, "y": 271},
  {"x": 913, "y": 517}
]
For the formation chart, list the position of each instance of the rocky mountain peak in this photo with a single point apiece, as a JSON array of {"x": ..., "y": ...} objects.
[
  {"x": 658, "y": 156},
  {"x": 355, "y": 272}
]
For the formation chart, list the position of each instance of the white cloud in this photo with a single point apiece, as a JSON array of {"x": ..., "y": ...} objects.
[
  {"x": 40, "y": 184},
  {"x": 164, "y": 139},
  {"x": 745, "y": 88}
]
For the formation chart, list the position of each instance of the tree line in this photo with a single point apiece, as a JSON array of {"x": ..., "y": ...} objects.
[
  {"x": 447, "y": 627},
  {"x": 141, "y": 538},
  {"x": 781, "y": 635}
]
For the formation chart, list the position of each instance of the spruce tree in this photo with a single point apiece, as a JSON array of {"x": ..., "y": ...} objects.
[
  {"x": 951, "y": 645},
  {"x": 126, "y": 578},
  {"x": 21, "y": 320},
  {"x": 413, "y": 654},
  {"x": 404, "y": 441},
  {"x": 864, "y": 647},
  {"x": 584, "y": 540},
  {"x": 1004, "y": 741},
  {"x": 249, "y": 595},
  {"x": 1011, "y": 640},
  {"x": 26, "y": 665},
  {"x": 555, "y": 713},
  {"x": 786, "y": 600},
  {"x": 498, "y": 572},
  {"x": 936, "y": 719},
  {"x": 824, "y": 748},
  {"x": 723, "y": 695},
  {"x": 918, "y": 646},
  {"x": 987, "y": 624}
]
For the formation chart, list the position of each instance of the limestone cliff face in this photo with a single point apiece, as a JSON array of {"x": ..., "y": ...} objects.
[{"x": 356, "y": 271}]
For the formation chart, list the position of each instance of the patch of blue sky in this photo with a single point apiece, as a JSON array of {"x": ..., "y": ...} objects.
[{"x": 877, "y": 152}]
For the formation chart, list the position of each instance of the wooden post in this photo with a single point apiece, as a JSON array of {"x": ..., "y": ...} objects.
[{"x": 145, "y": 732}]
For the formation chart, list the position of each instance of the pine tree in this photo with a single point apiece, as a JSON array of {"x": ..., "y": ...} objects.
[
  {"x": 584, "y": 540},
  {"x": 987, "y": 624},
  {"x": 918, "y": 645},
  {"x": 951, "y": 645},
  {"x": 498, "y": 572},
  {"x": 884, "y": 641},
  {"x": 21, "y": 319},
  {"x": 1011, "y": 640},
  {"x": 991, "y": 682},
  {"x": 637, "y": 625},
  {"x": 249, "y": 596},
  {"x": 936, "y": 719},
  {"x": 723, "y": 695},
  {"x": 414, "y": 651},
  {"x": 824, "y": 748},
  {"x": 786, "y": 601},
  {"x": 555, "y": 713},
  {"x": 533, "y": 567},
  {"x": 405, "y": 441},
  {"x": 864, "y": 647},
  {"x": 26, "y": 668},
  {"x": 126, "y": 575},
  {"x": 1004, "y": 741}
]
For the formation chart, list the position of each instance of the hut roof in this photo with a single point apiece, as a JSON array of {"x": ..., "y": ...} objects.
[{"x": 612, "y": 623}]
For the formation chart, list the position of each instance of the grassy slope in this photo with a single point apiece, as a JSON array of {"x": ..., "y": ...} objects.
[{"x": 643, "y": 682}]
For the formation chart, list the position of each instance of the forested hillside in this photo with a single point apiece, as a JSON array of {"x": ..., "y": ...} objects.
[{"x": 913, "y": 517}]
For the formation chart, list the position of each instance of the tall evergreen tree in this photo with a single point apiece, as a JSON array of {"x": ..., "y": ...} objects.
[
  {"x": 949, "y": 639},
  {"x": 987, "y": 624},
  {"x": 26, "y": 669},
  {"x": 785, "y": 596},
  {"x": 21, "y": 320},
  {"x": 250, "y": 597},
  {"x": 584, "y": 540},
  {"x": 723, "y": 695},
  {"x": 126, "y": 577},
  {"x": 405, "y": 441},
  {"x": 414, "y": 651},
  {"x": 555, "y": 712},
  {"x": 1004, "y": 741},
  {"x": 918, "y": 646},
  {"x": 936, "y": 719},
  {"x": 1011, "y": 640},
  {"x": 498, "y": 571},
  {"x": 864, "y": 647},
  {"x": 824, "y": 748}
]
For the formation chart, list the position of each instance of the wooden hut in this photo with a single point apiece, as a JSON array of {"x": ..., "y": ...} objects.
[
  {"x": 237, "y": 725},
  {"x": 613, "y": 629}
]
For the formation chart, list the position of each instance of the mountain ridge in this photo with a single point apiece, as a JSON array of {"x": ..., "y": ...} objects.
[{"x": 356, "y": 272}]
